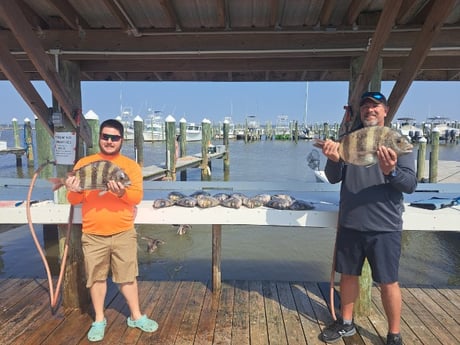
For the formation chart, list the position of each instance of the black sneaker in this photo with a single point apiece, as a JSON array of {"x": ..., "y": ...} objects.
[
  {"x": 394, "y": 339},
  {"x": 337, "y": 330}
]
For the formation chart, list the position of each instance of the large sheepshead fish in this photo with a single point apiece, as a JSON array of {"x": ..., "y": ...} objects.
[{"x": 360, "y": 147}]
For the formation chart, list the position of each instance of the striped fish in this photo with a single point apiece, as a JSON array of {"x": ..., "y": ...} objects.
[
  {"x": 360, "y": 147},
  {"x": 95, "y": 176}
]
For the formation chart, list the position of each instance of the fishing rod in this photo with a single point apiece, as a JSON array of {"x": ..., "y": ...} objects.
[{"x": 54, "y": 294}]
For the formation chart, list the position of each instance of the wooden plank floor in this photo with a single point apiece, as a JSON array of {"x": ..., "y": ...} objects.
[{"x": 245, "y": 312}]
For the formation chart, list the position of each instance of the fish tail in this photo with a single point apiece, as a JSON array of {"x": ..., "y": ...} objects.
[
  {"x": 57, "y": 182},
  {"x": 318, "y": 143}
]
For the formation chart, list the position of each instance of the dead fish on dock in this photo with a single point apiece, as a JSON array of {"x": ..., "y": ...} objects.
[
  {"x": 183, "y": 228},
  {"x": 232, "y": 202},
  {"x": 301, "y": 205},
  {"x": 264, "y": 198},
  {"x": 221, "y": 196},
  {"x": 253, "y": 202},
  {"x": 199, "y": 193},
  {"x": 207, "y": 201},
  {"x": 161, "y": 203},
  {"x": 286, "y": 197},
  {"x": 279, "y": 203},
  {"x": 95, "y": 176},
  {"x": 174, "y": 196},
  {"x": 152, "y": 243},
  {"x": 360, "y": 147},
  {"x": 188, "y": 201}
]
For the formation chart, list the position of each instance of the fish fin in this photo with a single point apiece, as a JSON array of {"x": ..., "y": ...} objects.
[
  {"x": 57, "y": 183},
  {"x": 319, "y": 143}
]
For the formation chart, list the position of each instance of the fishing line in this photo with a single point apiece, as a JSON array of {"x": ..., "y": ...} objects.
[{"x": 54, "y": 294}]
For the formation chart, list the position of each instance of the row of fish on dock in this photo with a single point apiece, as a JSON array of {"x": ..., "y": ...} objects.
[{"x": 203, "y": 199}]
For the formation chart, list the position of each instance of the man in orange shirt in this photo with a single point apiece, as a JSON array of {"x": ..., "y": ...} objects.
[{"x": 109, "y": 239}]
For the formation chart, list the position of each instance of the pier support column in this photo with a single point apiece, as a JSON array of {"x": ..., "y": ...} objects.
[
  {"x": 205, "y": 142},
  {"x": 75, "y": 293},
  {"x": 364, "y": 302}
]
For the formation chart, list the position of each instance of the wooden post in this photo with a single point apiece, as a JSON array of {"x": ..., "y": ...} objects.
[
  {"x": 183, "y": 145},
  {"x": 17, "y": 142},
  {"x": 28, "y": 141},
  {"x": 205, "y": 142},
  {"x": 138, "y": 124},
  {"x": 44, "y": 149},
  {"x": 421, "y": 159},
  {"x": 216, "y": 257},
  {"x": 93, "y": 122},
  {"x": 225, "y": 141},
  {"x": 170, "y": 130},
  {"x": 296, "y": 132},
  {"x": 75, "y": 293},
  {"x": 364, "y": 302},
  {"x": 434, "y": 156}
]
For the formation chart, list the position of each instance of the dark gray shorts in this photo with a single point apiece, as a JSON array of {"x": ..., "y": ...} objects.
[{"x": 381, "y": 248}]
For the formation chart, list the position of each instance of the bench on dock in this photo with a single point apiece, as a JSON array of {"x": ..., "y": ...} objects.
[{"x": 325, "y": 198}]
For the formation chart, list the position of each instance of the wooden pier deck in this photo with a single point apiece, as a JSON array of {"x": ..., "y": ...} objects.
[
  {"x": 155, "y": 172},
  {"x": 245, "y": 312}
]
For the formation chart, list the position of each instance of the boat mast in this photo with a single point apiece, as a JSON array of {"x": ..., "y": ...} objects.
[{"x": 306, "y": 107}]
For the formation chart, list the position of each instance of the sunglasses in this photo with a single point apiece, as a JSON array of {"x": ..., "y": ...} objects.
[
  {"x": 113, "y": 137},
  {"x": 375, "y": 95}
]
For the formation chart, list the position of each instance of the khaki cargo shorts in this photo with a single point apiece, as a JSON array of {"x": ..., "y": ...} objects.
[{"x": 115, "y": 253}]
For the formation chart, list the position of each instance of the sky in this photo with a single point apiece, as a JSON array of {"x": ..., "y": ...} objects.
[{"x": 318, "y": 101}]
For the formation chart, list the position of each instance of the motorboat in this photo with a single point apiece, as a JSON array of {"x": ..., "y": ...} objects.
[
  {"x": 407, "y": 127},
  {"x": 193, "y": 132},
  {"x": 126, "y": 118},
  {"x": 282, "y": 128},
  {"x": 443, "y": 125},
  {"x": 154, "y": 127}
]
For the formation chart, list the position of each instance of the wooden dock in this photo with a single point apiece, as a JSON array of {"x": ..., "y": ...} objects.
[
  {"x": 155, "y": 172},
  {"x": 17, "y": 151},
  {"x": 246, "y": 312}
]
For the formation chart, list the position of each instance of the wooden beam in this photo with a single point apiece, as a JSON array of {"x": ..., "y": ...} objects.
[
  {"x": 117, "y": 14},
  {"x": 15, "y": 20},
  {"x": 69, "y": 15},
  {"x": 16, "y": 76},
  {"x": 378, "y": 40},
  {"x": 433, "y": 23},
  {"x": 326, "y": 12},
  {"x": 354, "y": 10}
]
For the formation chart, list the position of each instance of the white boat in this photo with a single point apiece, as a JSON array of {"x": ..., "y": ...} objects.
[
  {"x": 282, "y": 128},
  {"x": 193, "y": 132},
  {"x": 126, "y": 118},
  {"x": 231, "y": 128},
  {"x": 154, "y": 128},
  {"x": 407, "y": 127},
  {"x": 442, "y": 124}
]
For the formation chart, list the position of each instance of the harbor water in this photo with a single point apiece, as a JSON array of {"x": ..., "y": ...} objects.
[{"x": 248, "y": 252}]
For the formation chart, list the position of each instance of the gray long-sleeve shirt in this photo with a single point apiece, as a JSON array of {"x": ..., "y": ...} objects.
[{"x": 370, "y": 201}]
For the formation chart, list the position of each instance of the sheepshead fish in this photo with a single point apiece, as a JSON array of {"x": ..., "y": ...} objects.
[
  {"x": 279, "y": 203},
  {"x": 160, "y": 203},
  {"x": 232, "y": 202},
  {"x": 301, "y": 205},
  {"x": 253, "y": 202},
  {"x": 187, "y": 202},
  {"x": 360, "y": 147},
  {"x": 204, "y": 201},
  {"x": 174, "y": 196},
  {"x": 264, "y": 198},
  {"x": 95, "y": 176},
  {"x": 221, "y": 196}
]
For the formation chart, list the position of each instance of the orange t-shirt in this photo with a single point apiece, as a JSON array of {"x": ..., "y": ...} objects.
[{"x": 107, "y": 214}]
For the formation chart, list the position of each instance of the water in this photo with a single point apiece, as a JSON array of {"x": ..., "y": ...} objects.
[{"x": 248, "y": 252}]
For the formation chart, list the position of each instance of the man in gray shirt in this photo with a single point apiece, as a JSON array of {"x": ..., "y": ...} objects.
[{"x": 370, "y": 223}]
